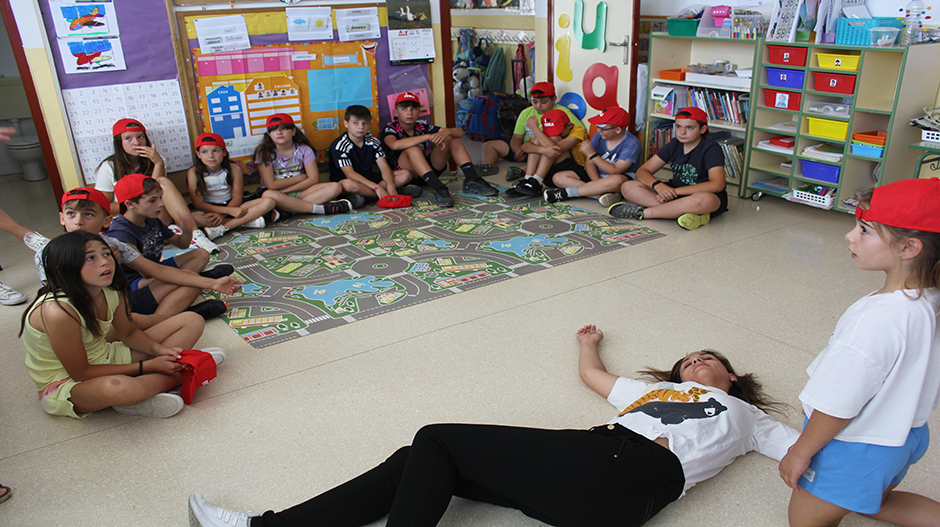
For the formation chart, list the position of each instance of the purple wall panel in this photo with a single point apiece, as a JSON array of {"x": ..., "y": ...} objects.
[{"x": 145, "y": 37}]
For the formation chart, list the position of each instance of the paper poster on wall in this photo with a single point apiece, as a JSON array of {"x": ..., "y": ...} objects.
[
  {"x": 158, "y": 105},
  {"x": 410, "y": 37},
  {"x": 313, "y": 82},
  {"x": 222, "y": 33},
  {"x": 91, "y": 55},
  {"x": 84, "y": 19},
  {"x": 358, "y": 24},
  {"x": 309, "y": 23}
]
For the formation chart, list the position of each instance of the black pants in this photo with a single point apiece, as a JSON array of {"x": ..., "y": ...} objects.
[{"x": 603, "y": 476}]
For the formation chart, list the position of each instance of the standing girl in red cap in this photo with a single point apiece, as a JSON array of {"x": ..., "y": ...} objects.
[
  {"x": 216, "y": 188},
  {"x": 135, "y": 154},
  {"x": 872, "y": 389},
  {"x": 288, "y": 166}
]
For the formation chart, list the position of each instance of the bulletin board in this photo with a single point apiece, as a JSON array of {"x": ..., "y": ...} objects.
[{"x": 231, "y": 93}]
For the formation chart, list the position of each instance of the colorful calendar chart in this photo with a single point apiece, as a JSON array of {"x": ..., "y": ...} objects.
[{"x": 157, "y": 104}]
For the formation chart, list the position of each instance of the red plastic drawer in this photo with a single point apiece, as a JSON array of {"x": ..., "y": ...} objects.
[
  {"x": 786, "y": 55},
  {"x": 782, "y": 99},
  {"x": 834, "y": 82}
]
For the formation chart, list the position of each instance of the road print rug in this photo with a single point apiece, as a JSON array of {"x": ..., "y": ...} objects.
[{"x": 312, "y": 273}]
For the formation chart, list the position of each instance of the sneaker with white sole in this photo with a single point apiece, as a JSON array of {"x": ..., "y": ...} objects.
[
  {"x": 218, "y": 354},
  {"x": 529, "y": 187},
  {"x": 214, "y": 232},
  {"x": 35, "y": 241},
  {"x": 10, "y": 296},
  {"x": 204, "y": 514},
  {"x": 610, "y": 198},
  {"x": 554, "y": 195},
  {"x": 200, "y": 240},
  {"x": 340, "y": 206},
  {"x": 159, "y": 406},
  {"x": 690, "y": 221},
  {"x": 257, "y": 223}
]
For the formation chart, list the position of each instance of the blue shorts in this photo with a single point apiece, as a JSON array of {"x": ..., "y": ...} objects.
[{"x": 855, "y": 476}]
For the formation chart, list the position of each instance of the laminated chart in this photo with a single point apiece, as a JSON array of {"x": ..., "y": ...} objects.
[
  {"x": 313, "y": 82},
  {"x": 158, "y": 105}
]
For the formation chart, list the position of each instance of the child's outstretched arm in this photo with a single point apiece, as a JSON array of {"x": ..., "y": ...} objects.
[
  {"x": 590, "y": 366},
  {"x": 819, "y": 430}
]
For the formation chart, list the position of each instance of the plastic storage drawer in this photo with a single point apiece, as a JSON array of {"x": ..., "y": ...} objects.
[
  {"x": 862, "y": 149},
  {"x": 685, "y": 27},
  {"x": 821, "y": 171},
  {"x": 782, "y": 99},
  {"x": 785, "y": 78},
  {"x": 836, "y": 130},
  {"x": 836, "y": 61},
  {"x": 786, "y": 55},
  {"x": 830, "y": 107},
  {"x": 834, "y": 82}
]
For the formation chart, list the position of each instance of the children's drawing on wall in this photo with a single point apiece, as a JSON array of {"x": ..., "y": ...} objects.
[
  {"x": 485, "y": 4},
  {"x": 409, "y": 14},
  {"x": 92, "y": 55},
  {"x": 84, "y": 19},
  {"x": 312, "y": 82},
  {"x": 410, "y": 37},
  {"x": 309, "y": 23}
]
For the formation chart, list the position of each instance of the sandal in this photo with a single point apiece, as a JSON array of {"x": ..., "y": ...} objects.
[{"x": 5, "y": 493}]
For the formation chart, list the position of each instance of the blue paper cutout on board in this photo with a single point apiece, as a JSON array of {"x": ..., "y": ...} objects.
[{"x": 336, "y": 89}]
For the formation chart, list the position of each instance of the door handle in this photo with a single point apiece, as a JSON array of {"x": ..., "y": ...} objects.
[{"x": 626, "y": 48}]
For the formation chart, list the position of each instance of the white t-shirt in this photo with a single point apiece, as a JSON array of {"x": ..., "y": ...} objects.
[
  {"x": 706, "y": 427},
  {"x": 881, "y": 368},
  {"x": 218, "y": 191},
  {"x": 104, "y": 177}
]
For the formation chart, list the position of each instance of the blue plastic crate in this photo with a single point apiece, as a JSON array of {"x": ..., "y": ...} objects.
[
  {"x": 821, "y": 171},
  {"x": 861, "y": 149},
  {"x": 854, "y": 31},
  {"x": 785, "y": 78}
]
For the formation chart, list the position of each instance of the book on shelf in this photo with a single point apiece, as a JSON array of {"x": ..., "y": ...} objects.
[
  {"x": 733, "y": 149},
  {"x": 660, "y": 134},
  {"x": 824, "y": 152},
  {"x": 718, "y": 104},
  {"x": 777, "y": 184},
  {"x": 770, "y": 147},
  {"x": 788, "y": 126}
]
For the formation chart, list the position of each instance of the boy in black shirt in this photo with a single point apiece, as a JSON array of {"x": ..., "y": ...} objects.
[{"x": 695, "y": 194}]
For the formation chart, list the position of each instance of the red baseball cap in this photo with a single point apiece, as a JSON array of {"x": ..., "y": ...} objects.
[
  {"x": 210, "y": 139},
  {"x": 129, "y": 187},
  {"x": 203, "y": 370},
  {"x": 614, "y": 116},
  {"x": 90, "y": 194},
  {"x": 407, "y": 97},
  {"x": 907, "y": 204},
  {"x": 279, "y": 119},
  {"x": 692, "y": 113},
  {"x": 554, "y": 121},
  {"x": 124, "y": 125},
  {"x": 543, "y": 89}
]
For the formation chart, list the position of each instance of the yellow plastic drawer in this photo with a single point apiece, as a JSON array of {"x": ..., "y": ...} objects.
[
  {"x": 836, "y": 61},
  {"x": 837, "y": 130}
]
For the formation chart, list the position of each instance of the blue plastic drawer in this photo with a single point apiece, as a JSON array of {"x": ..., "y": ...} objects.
[
  {"x": 821, "y": 171},
  {"x": 867, "y": 150},
  {"x": 785, "y": 78}
]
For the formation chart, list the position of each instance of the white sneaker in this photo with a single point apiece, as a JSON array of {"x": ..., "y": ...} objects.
[
  {"x": 218, "y": 354},
  {"x": 204, "y": 514},
  {"x": 175, "y": 228},
  {"x": 35, "y": 241},
  {"x": 10, "y": 296},
  {"x": 214, "y": 232},
  {"x": 160, "y": 405},
  {"x": 200, "y": 240},
  {"x": 610, "y": 198},
  {"x": 257, "y": 223}
]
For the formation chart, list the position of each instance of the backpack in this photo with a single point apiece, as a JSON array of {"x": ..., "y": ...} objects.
[
  {"x": 463, "y": 113},
  {"x": 483, "y": 124},
  {"x": 509, "y": 111}
]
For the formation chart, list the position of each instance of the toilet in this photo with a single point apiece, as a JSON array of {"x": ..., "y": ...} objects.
[{"x": 24, "y": 147}]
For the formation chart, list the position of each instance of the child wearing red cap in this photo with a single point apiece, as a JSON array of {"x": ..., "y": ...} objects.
[
  {"x": 528, "y": 126},
  {"x": 423, "y": 150},
  {"x": 695, "y": 194},
  {"x": 354, "y": 157},
  {"x": 871, "y": 391},
  {"x": 135, "y": 154},
  {"x": 288, "y": 166},
  {"x": 550, "y": 157},
  {"x": 611, "y": 154},
  {"x": 76, "y": 369},
  {"x": 216, "y": 188}
]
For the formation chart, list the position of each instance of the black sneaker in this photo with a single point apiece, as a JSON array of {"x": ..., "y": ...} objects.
[
  {"x": 513, "y": 173},
  {"x": 529, "y": 187},
  {"x": 209, "y": 308},
  {"x": 411, "y": 190},
  {"x": 340, "y": 206},
  {"x": 441, "y": 197},
  {"x": 554, "y": 195},
  {"x": 486, "y": 170},
  {"x": 479, "y": 187},
  {"x": 218, "y": 271},
  {"x": 356, "y": 201}
]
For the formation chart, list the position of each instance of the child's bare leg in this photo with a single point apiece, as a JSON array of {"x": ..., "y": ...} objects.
[
  {"x": 806, "y": 510},
  {"x": 532, "y": 163},
  {"x": 457, "y": 150},
  {"x": 171, "y": 298},
  {"x": 288, "y": 203},
  {"x": 175, "y": 209},
  {"x": 413, "y": 159},
  {"x": 194, "y": 260},
  {"x": 908, "y": 509},
  {"x": 178, "y": 331},
  {"x": 119, "y": 390},
  {"x": 402, "y": 177},
  {"x": 256, "y": 208},
  {"x": 544, "y": 165},
  {"x": 352, "y": 187},
  {"x": 201, "y": 220},
  {"x": 698, "y": 203},
  {"x": 321, "y": 193},
  {"x": 568, "y": 179},
  {"x": 636, "y": 192},
  {"x": 494, "y": 150}
]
